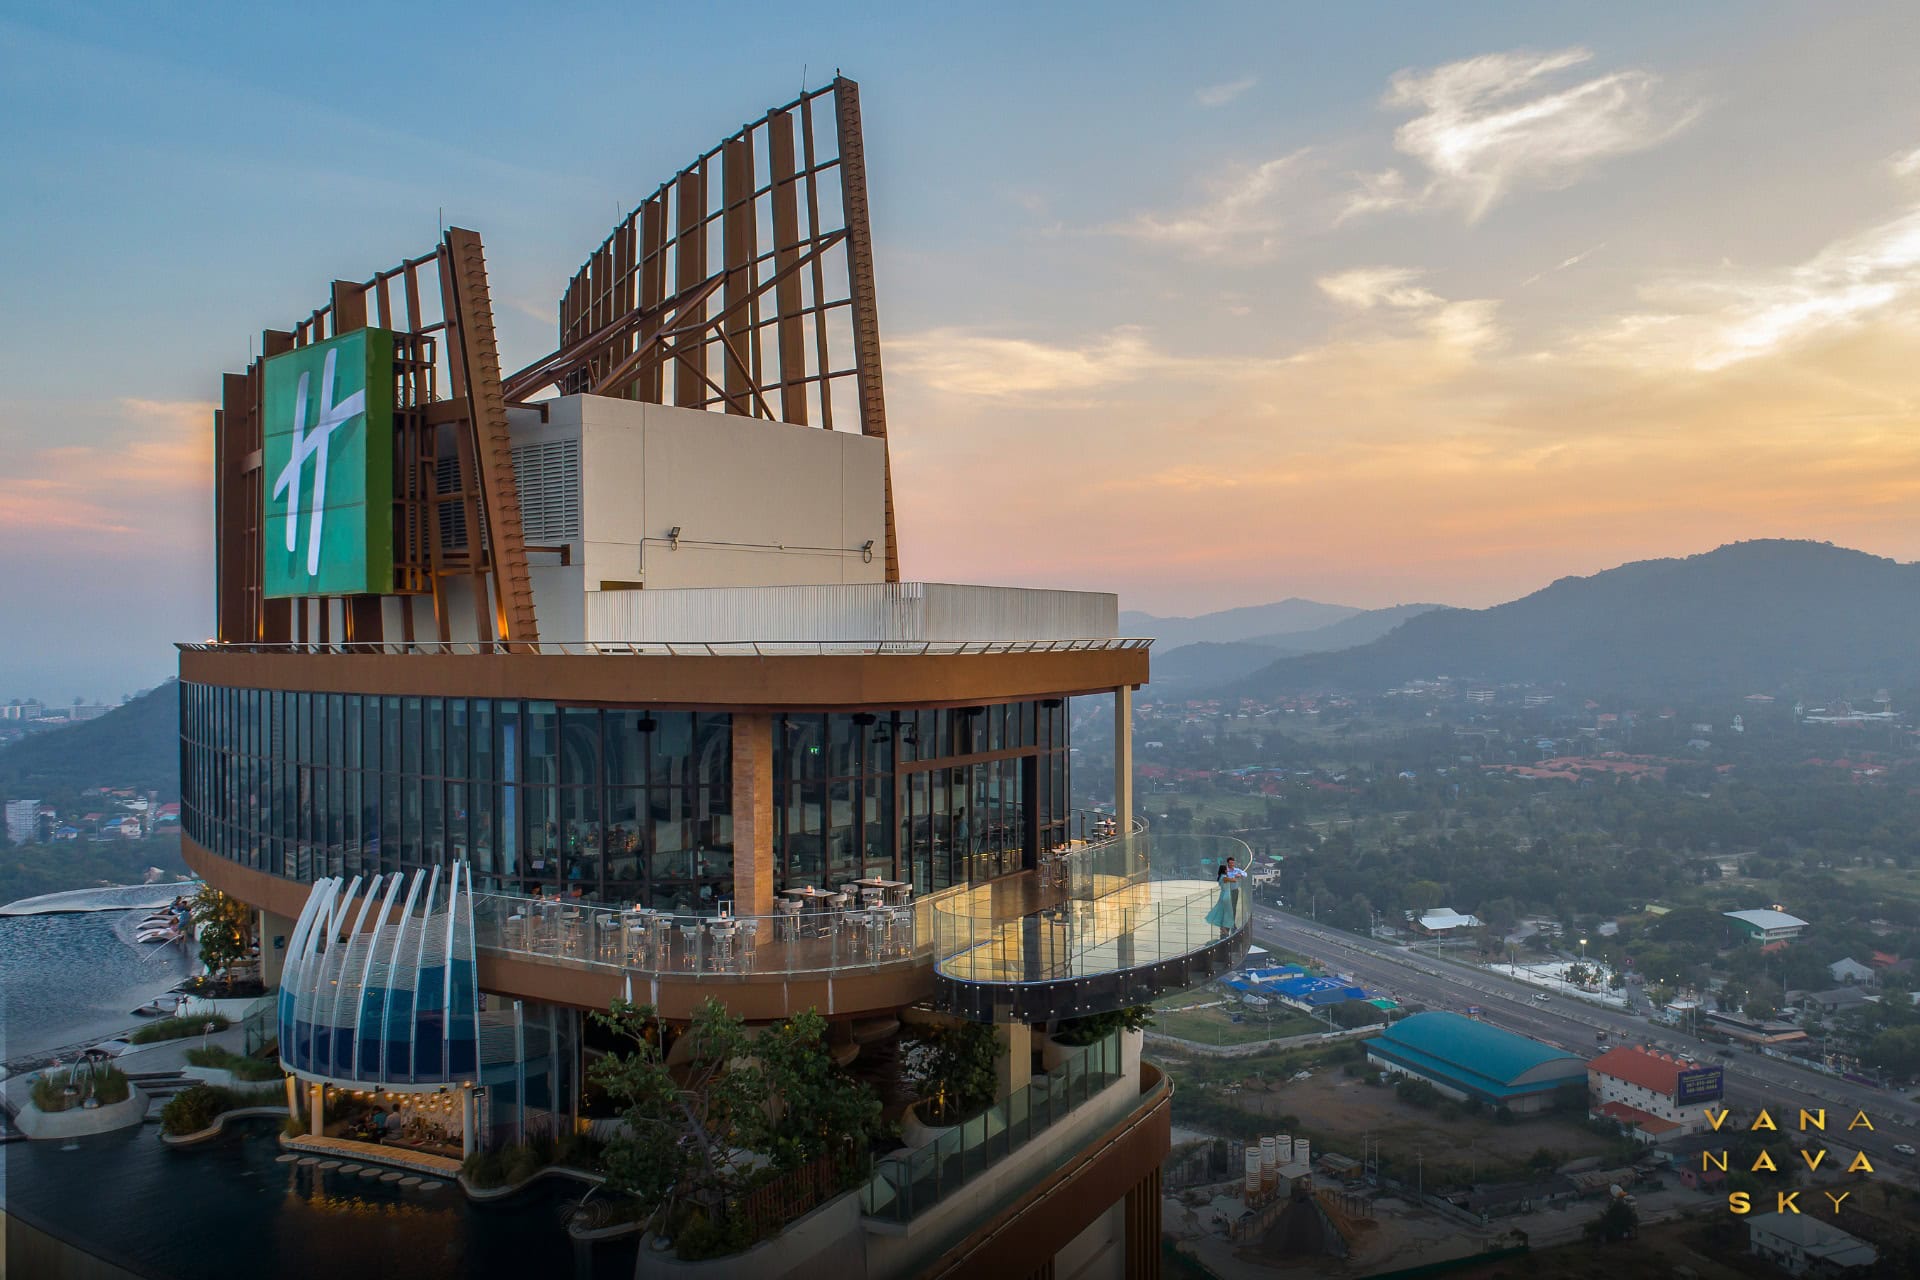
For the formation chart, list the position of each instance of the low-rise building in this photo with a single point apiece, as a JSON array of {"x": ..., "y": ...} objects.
[
  {"x": 1848, "y": 970},
  {"x": 1443, "y": 921},
  {"x": 1466, "y": 1059},
  {"x": 1803, "y": 1245},
  {"x": 1657, "y": 1095},
  {"x": 1765, "y": 925}
]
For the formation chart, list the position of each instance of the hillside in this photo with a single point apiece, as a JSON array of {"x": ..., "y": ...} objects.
[
  {"x": 1362, "y": 628},
  {"x": 1193, "y": 667},
  {"x": 1226, "y": 625},
  {"x": 1772, "y": 616},
  {"x": 136, "y": 745}
]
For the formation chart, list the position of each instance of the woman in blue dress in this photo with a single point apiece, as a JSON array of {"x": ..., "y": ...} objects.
[{"x": 1222, "y": 914}]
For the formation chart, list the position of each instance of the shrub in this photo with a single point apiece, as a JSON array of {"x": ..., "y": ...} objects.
[
  {"x": 244, "y": 1068},
  {"x": 1417, "y": 1092},
  {"x": 700, "y": 1236},
  {"x": 50, "y": 1091},
  {"x": 954, "y": 1069},
  {"x": 484, "y": 1169},
  {"x": 177, "y": 1028},
  {"x": 192, "y": 1109},
  {"x": 197, "y": 1106},
  {"x": 1075, "y": 1032},
  {"x": 578, "y": 1151},
  {"x": 294, "y": 1126}
]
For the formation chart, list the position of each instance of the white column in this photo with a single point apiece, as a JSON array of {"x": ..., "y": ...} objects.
[
  {"x": 467, "y": 1121},
  {"x": 317, "y": 1098},
  {"x": 293, "y": 1097},
  {"x": 1123, "y": 758}
]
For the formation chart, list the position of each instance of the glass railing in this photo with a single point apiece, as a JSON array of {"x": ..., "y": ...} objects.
[
  {"x": 664, "y": 944},
  {"x": 910, "y": 1183},
  {"x": 1132, "y": 902},
  {"x": 1087, "y": 909}
]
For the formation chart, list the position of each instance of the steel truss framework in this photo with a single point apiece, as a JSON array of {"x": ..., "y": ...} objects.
[
  {"x": 743, "y": 284},
  {"x": 438, "y": 307},
  {"x": 749, "y": 274}
]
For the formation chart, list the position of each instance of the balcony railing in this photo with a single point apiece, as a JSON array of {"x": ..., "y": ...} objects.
[
  {"x": 1129, "y": 903},
  {"x": 910, "y": 1183},
  {"x": 679, "y": 648},
  {"x": 665, "y": 944}
]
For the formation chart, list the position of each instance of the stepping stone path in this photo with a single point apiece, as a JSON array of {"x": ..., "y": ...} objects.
[
  {"x": 288, "y": 1158},
  {"x": 433, "y": 1185},
  {"x": 370, "y": 1173},
  {"x": 349, "y": 1168},
  {"x": 308, "y": 1161},
  {"x": 391, "y": 1177},
  {"x": 409, "y": 1181},
  {"x": 329, "y": 1164}
]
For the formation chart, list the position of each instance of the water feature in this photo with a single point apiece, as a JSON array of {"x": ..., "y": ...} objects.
[
  {"x": 115, "y": 897},
  {"x": 230, "y": 1208},
  {"x": 78, "y": 976}
]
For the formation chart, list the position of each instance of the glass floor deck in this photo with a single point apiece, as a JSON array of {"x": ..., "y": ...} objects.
[{"x": 1125, "y": 945}]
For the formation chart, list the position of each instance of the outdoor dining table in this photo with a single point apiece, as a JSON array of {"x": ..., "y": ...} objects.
[{"x": 893, "y": 893}]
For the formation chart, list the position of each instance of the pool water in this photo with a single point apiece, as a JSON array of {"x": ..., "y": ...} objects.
[{"x": 229, "y": 1208}]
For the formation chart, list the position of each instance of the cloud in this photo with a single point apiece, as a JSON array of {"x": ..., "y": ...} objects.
[
  {"x": 1565, "y": 263},
  {"x": 1710, "y": 321},
  {"x": 155, "y": 469},
  {"x": 1374, "y": 193},
  {"x": 1488, "y": 126},
  {"x": 1219, "y": 95},
  {"x": 1905, "y": 165},
  {"x": 1241, "y": 217},
  {"x": 965, "y": 362},
  {"x": 1364, "y": 288}
]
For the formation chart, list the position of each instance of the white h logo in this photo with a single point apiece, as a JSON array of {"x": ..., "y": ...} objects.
[{"x": 313, "y": 444}]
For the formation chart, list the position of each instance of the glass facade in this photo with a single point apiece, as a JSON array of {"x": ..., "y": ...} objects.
[{"x": 614, "y": 804}]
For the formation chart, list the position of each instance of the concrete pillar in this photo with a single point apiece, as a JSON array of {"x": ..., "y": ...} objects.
[
  {"x": 753, "y": 814},
  {"x": 467, "y": 1122},
  {"x": 1123, "y": 757},
  {"x": 1015, "y": 1065},
  {"x": 275, "y": 931},
  {"x": 317, "y": 1101},
  {"x": 293, "y": 1097}
]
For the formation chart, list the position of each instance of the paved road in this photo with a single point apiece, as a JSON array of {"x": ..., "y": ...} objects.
[{"x": 1753, "y": 1081}]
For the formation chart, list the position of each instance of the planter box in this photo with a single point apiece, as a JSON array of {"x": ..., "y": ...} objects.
[{"x": 916, "y": 1133}]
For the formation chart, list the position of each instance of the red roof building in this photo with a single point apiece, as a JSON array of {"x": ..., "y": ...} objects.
[{"x": 1642, "y": 1089}]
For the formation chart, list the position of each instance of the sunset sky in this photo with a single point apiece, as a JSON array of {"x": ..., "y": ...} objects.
[{"x": 1208, "y": 305}]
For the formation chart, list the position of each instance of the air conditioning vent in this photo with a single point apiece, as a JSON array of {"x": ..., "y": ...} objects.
[{"x": 548, "y": 477}]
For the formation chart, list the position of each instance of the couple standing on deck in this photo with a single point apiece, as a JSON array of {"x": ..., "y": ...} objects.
[{"x": 1225, "y": 912}]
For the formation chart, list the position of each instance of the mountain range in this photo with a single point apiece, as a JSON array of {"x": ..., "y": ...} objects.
[
  {"x": 1762, "y": 616},
  {"x": 1191, "y": 653}
]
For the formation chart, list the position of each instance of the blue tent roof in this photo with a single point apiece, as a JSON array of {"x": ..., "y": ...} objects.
[{"x": 1476, "y": 1054}]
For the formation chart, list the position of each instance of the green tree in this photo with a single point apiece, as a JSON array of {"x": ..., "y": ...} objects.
[
  {"x": 1618, "y": 1221},
  {"x": 814, "y": 1108},
  {"x": 226, "y": 928},
  {"x": 680, "y": 1124}
]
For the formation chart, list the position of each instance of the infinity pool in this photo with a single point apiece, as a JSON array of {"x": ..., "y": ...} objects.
[{"x": 229, "y": 1208}]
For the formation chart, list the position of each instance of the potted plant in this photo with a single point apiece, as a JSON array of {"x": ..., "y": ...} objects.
[
  {"x": 1074, "y": 1034},
  {"x": 954, "y": 1070}
]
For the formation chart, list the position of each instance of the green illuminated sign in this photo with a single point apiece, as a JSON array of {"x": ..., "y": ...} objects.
[{"x": 327, "y": 465}]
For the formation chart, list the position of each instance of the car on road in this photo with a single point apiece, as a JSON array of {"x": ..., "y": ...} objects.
[
  {"x": 1542, "y": 996},
  {"x": 1903, "y": 1149}
]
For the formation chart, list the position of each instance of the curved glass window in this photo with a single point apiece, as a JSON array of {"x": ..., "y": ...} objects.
[{"x": 614, "y": 803}]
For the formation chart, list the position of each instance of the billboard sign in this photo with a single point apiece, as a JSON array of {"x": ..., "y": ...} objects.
[
  {"x": 1701, "y": 1084},
  {"x": 327, "y": 467}
]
